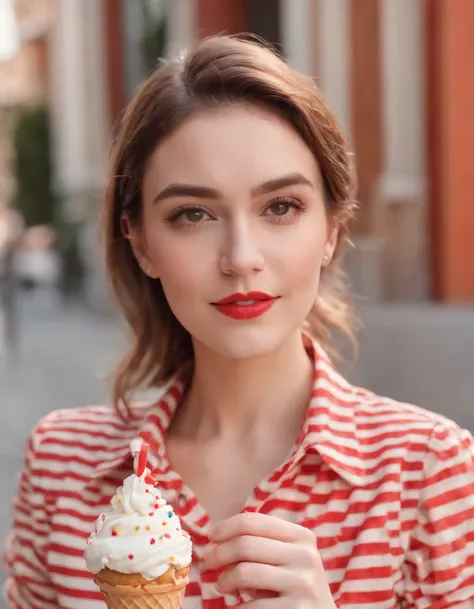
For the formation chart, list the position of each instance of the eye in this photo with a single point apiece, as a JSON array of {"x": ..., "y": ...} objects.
[
  {"x": 189, "y": 215},
  {"x": 280, "y": 208},
  {"x": 284, "y": 208},
  {"x": 194, "y": 215}
]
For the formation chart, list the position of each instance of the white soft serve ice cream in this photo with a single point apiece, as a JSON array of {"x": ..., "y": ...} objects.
[{"x": 138, "y": 533}]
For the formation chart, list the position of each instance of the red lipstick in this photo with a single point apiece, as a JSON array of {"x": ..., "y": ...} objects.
[{"x": 245, "y": 306}]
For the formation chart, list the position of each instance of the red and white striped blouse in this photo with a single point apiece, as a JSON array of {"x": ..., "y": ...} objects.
[{"x": 387, "y": 488}]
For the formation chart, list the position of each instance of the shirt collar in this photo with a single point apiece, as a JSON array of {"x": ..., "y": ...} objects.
[{"x": 329, "y": 430}]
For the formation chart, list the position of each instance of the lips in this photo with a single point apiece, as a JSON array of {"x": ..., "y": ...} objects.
[
  {"x": 238, "y": 297},
  {"x": 245, "y": 306}
]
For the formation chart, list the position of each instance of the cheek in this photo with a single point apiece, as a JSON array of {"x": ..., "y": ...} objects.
[
  {"x": 181, "y": 266},
  {"x": 302, "y": 257}
]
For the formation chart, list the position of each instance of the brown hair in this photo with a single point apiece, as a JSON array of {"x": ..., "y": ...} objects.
[{"x": 221, "y": 70}]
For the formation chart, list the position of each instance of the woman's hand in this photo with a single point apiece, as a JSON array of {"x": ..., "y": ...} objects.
[{"x": 274, "y": 562}]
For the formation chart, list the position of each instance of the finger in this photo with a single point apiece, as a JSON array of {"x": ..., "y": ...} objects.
[
  {"x": 269, "y": 603},
  {"x": 250, "y": 594},
  {"x": 245, "y": 575},
  {"x": 248, "y": 548},
  {"x": 259, "y": 525}
]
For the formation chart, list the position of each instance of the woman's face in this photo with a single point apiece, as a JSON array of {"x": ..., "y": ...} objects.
[{"x": 233, "y": 209}]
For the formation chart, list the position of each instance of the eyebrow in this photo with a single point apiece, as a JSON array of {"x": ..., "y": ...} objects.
[{"x": 204, "y": 192}]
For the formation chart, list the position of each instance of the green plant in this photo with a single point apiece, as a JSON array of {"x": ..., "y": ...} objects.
[
  {"x": 35, "y": 198},
  {"x": 154, "y": 38}
]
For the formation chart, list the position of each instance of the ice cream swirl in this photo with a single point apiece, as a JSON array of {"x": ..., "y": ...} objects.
[{"x": 138, "y": 533}]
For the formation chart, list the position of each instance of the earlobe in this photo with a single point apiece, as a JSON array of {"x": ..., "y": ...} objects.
[
  {"x": 326, "y": 261},
  {"x": 147, "y": 267},
  {"x": 148, "y": 271}
]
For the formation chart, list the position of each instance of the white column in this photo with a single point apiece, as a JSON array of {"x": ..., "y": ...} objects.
[
  {"x": 79, "y": 100},
  {"x": 67, "y": 93},
  {"x": 182, "y": 25},
  {"x": 295, "y": 33},
  {"x": 333, "y": 33},
  {"x": 133, "y": 29},
  {"x": 402, "y": 40},
  {"x": 96, "y": 95},
  {"x": 81, "y": 127},
  {"x": 9, "y": 35}
]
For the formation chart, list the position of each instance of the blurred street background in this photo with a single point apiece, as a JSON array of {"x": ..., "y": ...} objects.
[{"x": 398, "y": 74}]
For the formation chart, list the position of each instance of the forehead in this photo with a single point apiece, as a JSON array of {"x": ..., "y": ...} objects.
[{"x": 229, "y": 147}]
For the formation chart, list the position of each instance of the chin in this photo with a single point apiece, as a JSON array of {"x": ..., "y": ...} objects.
[{"x": 244, "y": 343}]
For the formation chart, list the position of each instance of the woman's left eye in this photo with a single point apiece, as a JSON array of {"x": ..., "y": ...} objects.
[{"x": 283, "y": 208}]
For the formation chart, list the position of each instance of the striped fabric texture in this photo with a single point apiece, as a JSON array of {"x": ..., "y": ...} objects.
[{"x": 387, "y": 488}]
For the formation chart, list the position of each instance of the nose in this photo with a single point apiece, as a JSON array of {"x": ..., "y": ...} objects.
[{"x": 242, "y": 253}]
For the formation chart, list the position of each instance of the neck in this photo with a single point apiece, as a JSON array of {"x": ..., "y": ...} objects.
[{"x": 232, "y": 398}]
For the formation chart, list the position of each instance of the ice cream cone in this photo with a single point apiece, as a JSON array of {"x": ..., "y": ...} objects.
[
  {"x": 138, "y": 551},
  {"x": 165, "y": 592},
  {"x": 167, "y": 596}
]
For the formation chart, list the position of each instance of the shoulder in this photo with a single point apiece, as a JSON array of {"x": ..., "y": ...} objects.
[
  {"x": 380, "y": 418},
  {"x": 381, "y": 411},
  {"x": 375, "y": 438},
  {"x": 88, "y": 424},
  {"x": 429, "y": 437},
  {"x": 69, "y": 445},
  {"x": 372, "y": 418}
]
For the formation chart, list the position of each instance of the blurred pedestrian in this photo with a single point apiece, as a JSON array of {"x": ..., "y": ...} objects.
[
  {"x": 227, "y": 209},
  {"x": 11, "y": 231}
]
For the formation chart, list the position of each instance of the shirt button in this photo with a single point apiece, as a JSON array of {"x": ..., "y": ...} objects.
[{"x": 182, "y": 501}]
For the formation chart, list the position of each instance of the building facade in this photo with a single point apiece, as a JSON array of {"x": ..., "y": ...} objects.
[
  {"x": 398, "y": 77},
  {"x": 397, "y": 74},
  {"x": 23, "y": 76}
]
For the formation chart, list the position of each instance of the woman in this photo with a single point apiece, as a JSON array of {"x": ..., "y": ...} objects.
[{"x": 228, "y": 202}]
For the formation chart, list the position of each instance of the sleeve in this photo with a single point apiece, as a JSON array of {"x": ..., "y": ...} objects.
[
  {"x": 28, "y": 585},
  {"x": 439, "y": 564}
]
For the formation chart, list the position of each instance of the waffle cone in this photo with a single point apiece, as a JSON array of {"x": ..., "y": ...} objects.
[{"x": 123, "y": 591}]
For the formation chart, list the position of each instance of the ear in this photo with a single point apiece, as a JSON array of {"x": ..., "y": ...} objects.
[
  {"x": 331, "y": 244},
  {"x": 138, "y": 245}
]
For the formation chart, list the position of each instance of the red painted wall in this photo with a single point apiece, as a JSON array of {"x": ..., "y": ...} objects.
[
  {"x": 221, "y": 17},
  {"x": 450, "y": 99}
]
